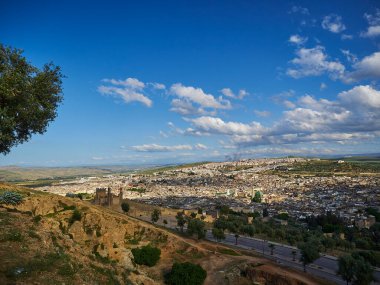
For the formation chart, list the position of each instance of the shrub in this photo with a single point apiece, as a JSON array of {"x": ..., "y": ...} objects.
[
  {"x": 125, "y": 207},
  {"x": 77, "y": 216},
  {"x": 147, "y": 255},
  {"x": 10, "y": 198},
  {"x": 186, "y": 274},
  {"x": 37, "y": 219},
  {"x": 12, "y": 235}
]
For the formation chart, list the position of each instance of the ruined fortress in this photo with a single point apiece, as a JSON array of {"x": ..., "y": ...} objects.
[{"x": 105, "y": 197}]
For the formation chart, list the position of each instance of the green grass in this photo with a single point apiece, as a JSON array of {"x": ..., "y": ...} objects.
[{"x": 227, "y": 251}]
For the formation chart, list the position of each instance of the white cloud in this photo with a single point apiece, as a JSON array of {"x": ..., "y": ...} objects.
[
  {"x": 158, "y": 86},
  {"x": 283, "y": 99},
  {"x": 353, "y": 116},
  {"x": 204, "y": 103},
  {"x": 200, "y": 146},
  {"x": 361, "y": 96},
  {"x": 161, "y": 148},
  {"x": 167, "y": 148},
  {"x": 229, "y": 93},
  {"x": 347, "y": 37},
  {"x": 218, "y": 126},
  {"x": 297, "y": 39},
  {"x": 262, "y": 113},
  {"x": 299, "y": 9},
  {"x": 132, "y": 83},
  {"x": 373, "y": 29},
  {"x": 314, "y": 62},
  {"x": 323, "y": 86},
  {"x": 352, "y": 58},
  {"x": 333, "y": 23},
  {"x": 186, "y": 108},
  {"x": 127, "y": 94},
  {"x": 367, "y": 68}
]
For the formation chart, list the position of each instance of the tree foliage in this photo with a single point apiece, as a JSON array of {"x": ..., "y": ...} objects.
[
  {"x": 147, "y": 255},
  {"x": 186, "y": 274},
  {"x": 258, "y": 197},
  {"x": 309, "y": 253},
  {"x": 196, "y": 226},
  {"x": 346, "y": 267},
  {"x": 218, "y": 234},
  {"x": 181, "y": 220},
  {"x": 29, "y": 97},
  {"x": 125, "y": 207},
  {"x": 155, "y": 215}
]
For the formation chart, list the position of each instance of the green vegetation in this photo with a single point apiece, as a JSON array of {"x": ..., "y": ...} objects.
[
  {"x": 139, "y": 190},
  {"x": 12, "y": 235},
  {"x": 196, "y": 226},
  {"x": 181, "y": 220},
  {"x": 76, "y": 216},
  {"x": 258, "y": 197},
  {"x": 48, "y": 262},
  {"x": 272, "y": 247},
  {"x": 356, "y": 269},
  {"x": 227, "y": 251},
  {"x": 330, "y": 167},
  {"x": 374, "y": 212},
  {"x": 186, "y": 274},
  {"x": 155, "y": 216},
  {"x": 309, "y": 253},
  {"x": 147, "y": 255},
  {"x": 218, "y": 234},
  {"x": 10, "y": 198},
  {"x": 29, "y": 97},
  {"x": 125, "y": 207}
]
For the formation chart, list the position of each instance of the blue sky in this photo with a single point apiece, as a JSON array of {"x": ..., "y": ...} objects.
[{"x": 177, "y": 81}]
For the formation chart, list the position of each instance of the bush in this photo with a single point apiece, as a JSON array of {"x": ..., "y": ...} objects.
[
  {"x": 77, "y": 216},
  {"x": 186, "y": 274},
  {"x": 10, "y": 198},
  {"x": 147, "y": 255},
  {"x": 125, "y": 207}
]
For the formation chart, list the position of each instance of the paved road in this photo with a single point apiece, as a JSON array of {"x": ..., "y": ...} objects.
[{"x": 324, "y": 267}]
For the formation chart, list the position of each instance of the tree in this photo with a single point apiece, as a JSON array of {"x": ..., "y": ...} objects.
[
  {"x": 155, "y": 215},
  {"x": 181, "y": 220},
  {"x": 125, "y": 207},
  {"x": 346, "y": 267},
  {"x": 248, "y": 229},
  {"x": 258, "y": 197},
  {"x": 272, "y": 247},
  {"x": 196, "y": 226},
  {"x": 186, "y": 274},
  {"x": 147, "y": 255},
  {"x": 29, "y": 97},
  {"x": 309, "y": 253},
  {"x": 363, "y": 272},
  {"x": 236, "y": 238},
  {"x": 218, "y": 234},
  {"x": 294, "y": 253}
]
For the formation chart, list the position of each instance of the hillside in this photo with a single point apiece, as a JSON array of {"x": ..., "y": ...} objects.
[{"x": 41, "y": 243}]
